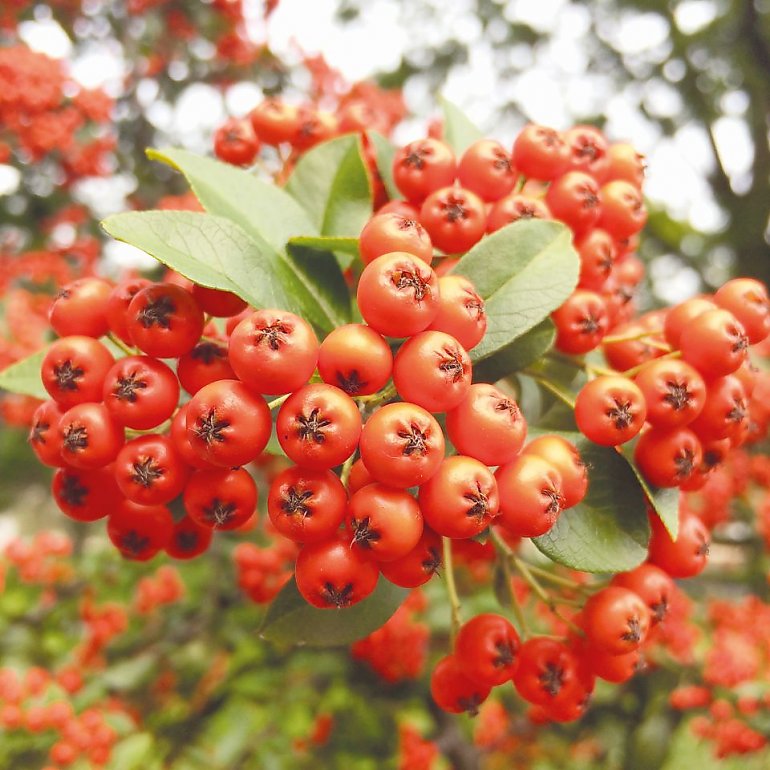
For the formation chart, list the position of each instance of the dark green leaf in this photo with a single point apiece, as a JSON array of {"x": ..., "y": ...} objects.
[
  {"x": 326, "y": 243},
  {"x": 665, "y": 502},
  {"x": 216, "y": 252},
  {"x": 321, "y": 270},
  {"x": 24, "y": 376},
  {"x": 531, "y": 346},
  {"x": 524, "y": 271},
  {"x": 501, "y": 585},
  {"x": 384, "y": 152},
  {"x": 263, "y": 210},
  {"x": 459, "y": 132},
  {"x": 290, "y": 619},
  {"x": 608, "y": 531},
  {"x": 331, "y": 183}
]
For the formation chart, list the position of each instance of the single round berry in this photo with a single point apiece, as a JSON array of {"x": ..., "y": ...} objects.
[
  {"x": 531, "y": 495},
  {"x": 715, "y": 343},
  {"x": 318, "y": 426},
  {"x": 227, "y": 425},
  {"x": 668, "y": 458},
  {"x": 90, "y": 438},
  {"x": 388, "y": 232},
  {"x": 581, "y": 322},
  {"x": 453, "y": 690},
  {"x": 150, "y": 471},
  {"x": 423, "y": 166},
  {"x": 454, "y": 218},
  {"x": 433, "y": 371},
  {"x": 273, "y": 351},
  {"x": 540, "y": 152},
  {"x": 80, "y": 308},
  {"x": 140, "y": 531},
  {"x": 616, "y": 620},
  {"x": 487, "y": 649},
  {"x": 356, "y": 359},
  {"x": 140, "y": 392},
  {"x": 164, "y": 320},
  {"x": 461, "y": 499},
  {"x": 610, "y": 410},
  {"x": 514, "y": 207},
  {"x": 402, "y": 445},
  {"x": 686, "y": 556},
  {"x": 486, "y": 169},
  {"x": 398, "y": 295},
  {"x": 462, "y": 313},
  {"x": 385, "y": 523},
  {"x": 221, "y": 498},
  {"x": 673, "y": 391},
  {"x": 419, "y": 565},
  {"x": 332, "y": 575},
  {"x": 487, "y": 425},
  {"x": 305, "y": 505},
  {"x": 74, "y": 368}
]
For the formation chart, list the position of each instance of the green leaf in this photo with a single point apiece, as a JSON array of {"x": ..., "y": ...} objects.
[
  {"x": 332, "y": 184},
  {"x": 523, "y": 351},
  {"x": 321, "y": 270},
  {"x": 384, "y": 152},
  {"x": 326, "y": 243},
  {"x": 263, "y": 210},
  {"x": 132, "y": 753},
  {"x": 459, "y": 132},
  {"x": 608, "y": 531},
  {"x": 290, "y": 619},
  {"x": 24, "y": 376},
  {"x": 665, "y": 502},
  {"x": 130, "y": 673},
  {"x": 524, "y": 271},
  {"x": 216, "y": 252}
]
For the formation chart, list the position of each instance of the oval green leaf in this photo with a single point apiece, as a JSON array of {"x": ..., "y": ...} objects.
[
  {"x": 332, "y": 185},
  {"x": 24, "y": 376},
  {"x": 291, "y": 620},
  {"x": 608, "y": 531},
  {"x": 459, "y": 131},
  {"x": 665, "y": 502},
  {"x": 384, "y": 152},
  {"x": 523, "y": 351},
  {"x": 326, "y": 243},
  {"x": 215, "y": 252},
  {"x": 524, "y": 271},
  {"x": 262, "y": 210}
]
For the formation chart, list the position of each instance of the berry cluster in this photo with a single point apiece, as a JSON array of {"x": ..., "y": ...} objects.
[{"x": 397, "y": 459}]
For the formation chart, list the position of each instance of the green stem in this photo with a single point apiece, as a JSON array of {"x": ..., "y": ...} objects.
[
  {"x": 541, "y": 593},
  {"x": 515, "y": 604},
  {"x": 115, "y": 340},
  {"x": 451, "y": 587},
  {"x": 545, "y": 574},
  {"x": 380, "y": 397},
  {"x": 276, "y": 402},
  {"x": 523, "y": 569},
  {"x": 550, "y": 387},
  {"x": 345, "y": 472},
  {"x": 613, "y": 339},
  {"x": 636, "y": 369},
  {"x": 584, "y": 366}
]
